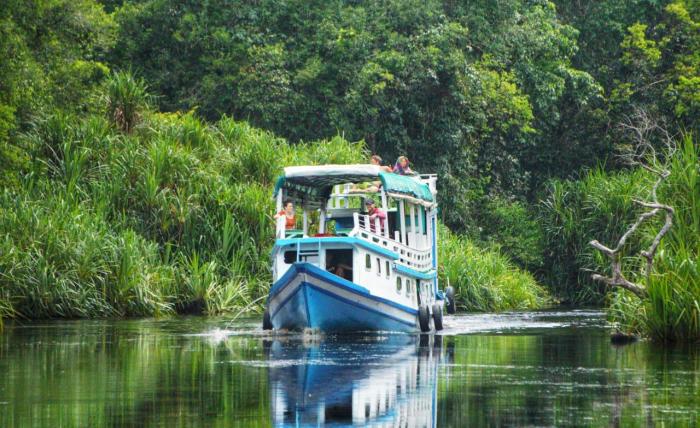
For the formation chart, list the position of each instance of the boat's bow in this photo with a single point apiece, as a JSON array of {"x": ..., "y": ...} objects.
[{"x": 309, "y": 297}]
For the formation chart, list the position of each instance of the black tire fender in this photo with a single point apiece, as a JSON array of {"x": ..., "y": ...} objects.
[
  {"x": 451, "y": 303},
  {"x": 424, "y": 318},
  {"x": 437, "y": 316},
  {"x": 267, "y": 322}
]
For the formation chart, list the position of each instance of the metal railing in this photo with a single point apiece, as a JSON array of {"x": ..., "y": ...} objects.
[{"x": 372, "y": 230}]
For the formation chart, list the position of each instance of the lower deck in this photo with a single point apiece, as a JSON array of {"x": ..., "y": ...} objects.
[{"x": 373, "y": 266}]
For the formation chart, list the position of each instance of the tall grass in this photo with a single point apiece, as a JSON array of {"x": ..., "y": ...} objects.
[
  {"x": 172, "y": 216},
  {"x": 601, "y": 207},
  {"x": 484, "y": 279},
  {"x": 126, "y": 97},
  {"x": 597, "y": 206},
  {"x": 671, "y": 312}
]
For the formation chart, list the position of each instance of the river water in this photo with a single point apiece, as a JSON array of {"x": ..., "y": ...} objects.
[{"x": 553, "y": 368}]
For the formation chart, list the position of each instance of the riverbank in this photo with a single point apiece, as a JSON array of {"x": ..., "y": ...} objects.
[
  {"x": 603, "y": 206},
  {"x": 172, "y": 215}
]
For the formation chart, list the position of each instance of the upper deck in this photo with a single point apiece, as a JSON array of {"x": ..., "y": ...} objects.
[{"x": 332, "y": 197}]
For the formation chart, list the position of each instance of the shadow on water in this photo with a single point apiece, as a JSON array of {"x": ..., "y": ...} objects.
[{"x": 544, "y": 368}]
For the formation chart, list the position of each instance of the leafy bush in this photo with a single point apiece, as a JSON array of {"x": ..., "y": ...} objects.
[
  {"x": 510, "y": 225},
  {"x": 600, "y": 206},
  {"x": 126, "y": 99},
  {"x": 671, "y": 312},
  {"x": 484, "y": 279}
]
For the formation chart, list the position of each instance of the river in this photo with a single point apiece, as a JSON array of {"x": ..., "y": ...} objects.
[{"x": 552, "y": 368}]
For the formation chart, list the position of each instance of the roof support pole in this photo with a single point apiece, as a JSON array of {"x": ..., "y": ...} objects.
[
  {"x": 306, "y": 223},
  {"x": 385, "y": 207},
  {"x": 280, "y": 224},
  {"x": 413, "y": 226},
  {"x": 420, "y": 227},
  {"x": 322, "y": 220},
  {"x": 402, "y": 217}
]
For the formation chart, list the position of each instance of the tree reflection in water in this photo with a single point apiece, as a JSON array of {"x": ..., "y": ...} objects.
[{"x": 557, "y": 369}]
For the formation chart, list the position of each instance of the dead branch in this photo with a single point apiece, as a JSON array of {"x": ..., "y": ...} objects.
[{"x": 641, "y": 127}]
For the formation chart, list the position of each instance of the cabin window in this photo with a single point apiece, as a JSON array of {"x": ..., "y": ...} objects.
[
  {"x": 339, "y": 262},
  {"x": 408, "y": 287},
  {"x": 368, "y": 262},
  {"x": 290, "y": 257},
  {"x": 398, "y": 284},
  {"x": 386, "y": 269},
  {"x": 379, "y": 267}
]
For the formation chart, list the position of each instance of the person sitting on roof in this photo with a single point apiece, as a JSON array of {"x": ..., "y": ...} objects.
[
  {"x": 374, "y": 186},
  {"x": 288, "y": 213},
  {"x": 376, "y": 160},
  {"x": 401, "y": 167},
  {"x": 375, "y": 213}
]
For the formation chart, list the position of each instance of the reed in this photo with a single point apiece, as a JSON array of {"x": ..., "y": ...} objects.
[
  {"x": 672, "y": 310},
  {"x": 172, "y": 215},
  {"x": 484, "y": 279},
  {"x": 600, "y": 206}
]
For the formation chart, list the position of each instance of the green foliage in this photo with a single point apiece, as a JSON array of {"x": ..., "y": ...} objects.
[
  {"x": 127, "y": 97},
  {"x": 671, "y": 312},
  {"x": 426, "y": 79},
  {"x": 51, "y": 56},
  {"x": 173, "y": 216},
  {"x": 510, "y": 226},
  {"x": 600, "y": 206},
  {"x": 484, "y": 279}
]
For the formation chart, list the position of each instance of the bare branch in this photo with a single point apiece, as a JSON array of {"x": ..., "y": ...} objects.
[{"x": 641, "y": 126}]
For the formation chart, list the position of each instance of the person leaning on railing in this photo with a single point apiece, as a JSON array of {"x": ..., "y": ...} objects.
[
  {"x": 288, "y": 213},
  {"x": 375, "y": 213}
]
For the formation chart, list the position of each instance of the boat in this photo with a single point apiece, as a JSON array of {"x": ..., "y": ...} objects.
[{"x": 388, "y": 278}]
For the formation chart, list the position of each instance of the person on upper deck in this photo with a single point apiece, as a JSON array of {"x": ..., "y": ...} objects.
[
  {"x": 288, "y": 213},
  {"x": 376, "y": 160},
  {"x": 375, "y": 213},
  {"x": 374, "y": 186},
  {"x": 401, "y": 167}
]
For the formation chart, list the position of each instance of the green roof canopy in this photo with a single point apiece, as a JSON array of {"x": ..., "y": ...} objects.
[{"x": 406, "y": 185}]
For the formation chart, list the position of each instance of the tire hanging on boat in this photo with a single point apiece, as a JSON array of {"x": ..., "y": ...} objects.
[
  {"x": 424, "y": 318},
  {"x": 451, "y": 304},
  {"x": 267, "y": 322},
  {"x": 437, "y": 316}
]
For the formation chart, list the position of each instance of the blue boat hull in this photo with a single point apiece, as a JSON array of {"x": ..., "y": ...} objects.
[{"x": 308, "y": 297}]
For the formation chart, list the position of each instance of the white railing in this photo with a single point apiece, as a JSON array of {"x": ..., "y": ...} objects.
[
  {"x": 371, "y": 230},
  {"x": 431, "y": 181},
  {"x": 280, "y": 227}
]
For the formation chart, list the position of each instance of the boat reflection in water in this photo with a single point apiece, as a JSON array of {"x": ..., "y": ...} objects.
[{"x": 375, "y": 381}]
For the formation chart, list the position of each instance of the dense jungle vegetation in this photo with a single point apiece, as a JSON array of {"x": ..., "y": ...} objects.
[{"x": 139, "y": 141}]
